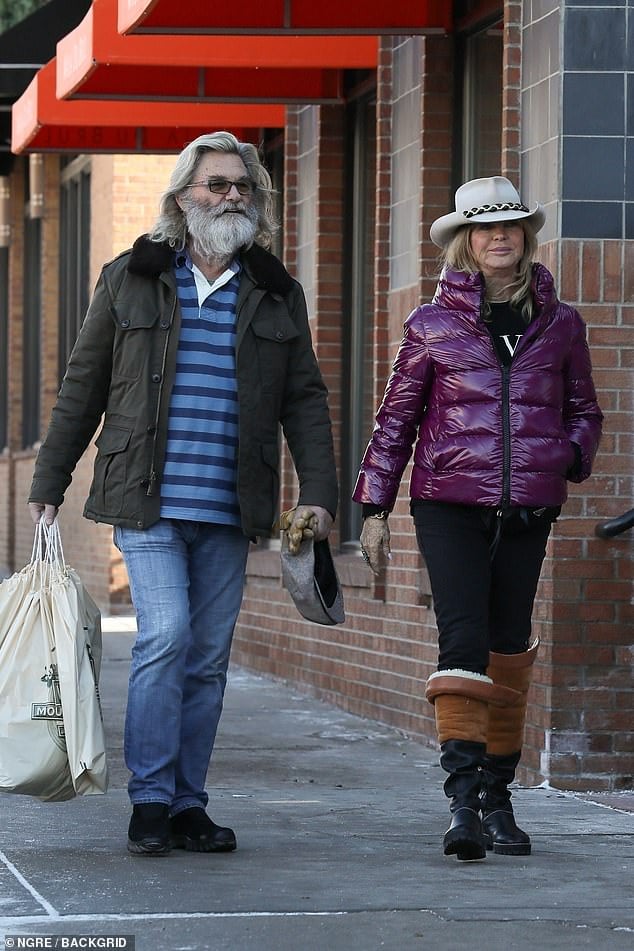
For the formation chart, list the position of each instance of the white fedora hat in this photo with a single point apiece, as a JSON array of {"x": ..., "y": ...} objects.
[{"x": 482, "y": 200}]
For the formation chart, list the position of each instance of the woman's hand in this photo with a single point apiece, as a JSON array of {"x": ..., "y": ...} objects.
[{"x": 375, "y": 542}]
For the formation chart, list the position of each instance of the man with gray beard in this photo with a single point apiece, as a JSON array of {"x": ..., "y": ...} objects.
[{"x": 195, "y": 349}]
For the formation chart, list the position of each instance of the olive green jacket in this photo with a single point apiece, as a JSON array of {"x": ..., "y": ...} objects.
[{"x": 122, "y": 370}]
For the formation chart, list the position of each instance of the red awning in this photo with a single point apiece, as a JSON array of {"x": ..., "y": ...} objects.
[
  {"x": 43, "y": 123},
  {"x": 95, "y": 61},
  {"x": 279, "y": 16}
]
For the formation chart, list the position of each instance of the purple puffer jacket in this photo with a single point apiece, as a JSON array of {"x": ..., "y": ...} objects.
[{"x": 487, "y": 435}]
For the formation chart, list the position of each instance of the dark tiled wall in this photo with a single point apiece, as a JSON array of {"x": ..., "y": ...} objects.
[{"x": 597, "y": 178}]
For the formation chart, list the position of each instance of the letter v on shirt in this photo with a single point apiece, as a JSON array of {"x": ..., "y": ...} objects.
[{"x": 508, "y": 340}]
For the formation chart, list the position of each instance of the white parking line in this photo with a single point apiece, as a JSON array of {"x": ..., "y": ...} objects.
[
  {"x": 46, "y": 905},
  {"x": 14, "y": 921}
]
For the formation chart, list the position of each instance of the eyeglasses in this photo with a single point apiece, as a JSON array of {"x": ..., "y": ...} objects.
[{"x": 222, "y": 186}]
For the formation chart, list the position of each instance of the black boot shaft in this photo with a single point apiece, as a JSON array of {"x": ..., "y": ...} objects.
[
  {"x": 501, "y": 832},
  {"x": 498, "y": 773},
  {"x": 463, "y": 760}
]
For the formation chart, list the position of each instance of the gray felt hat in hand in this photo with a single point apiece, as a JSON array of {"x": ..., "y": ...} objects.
[{"x": 311, "y": 580}]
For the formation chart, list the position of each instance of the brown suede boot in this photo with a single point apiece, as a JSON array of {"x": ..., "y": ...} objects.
[
  {"x": 504, "y": 749},
  {"x": 461, "y": 704}
]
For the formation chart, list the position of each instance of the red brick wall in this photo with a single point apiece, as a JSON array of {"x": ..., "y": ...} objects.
[
  {"x": 288, "y": 482},
  {"x": 49, "y": 342},
  {"x": 436, "y": 150},
  {"x": 383, "y": 343},
  {"x": 16, "y": 286},
  {"x": 511, "y": 90},
  {"x": 580, "y": 724},
  {"x": 327, "y": 332},
  {"x": 14, "y": 374},
  {"x": 14, "y": 364}
]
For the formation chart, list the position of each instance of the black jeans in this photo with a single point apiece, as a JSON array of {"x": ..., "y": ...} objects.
[{"x": 483, "y": 600}]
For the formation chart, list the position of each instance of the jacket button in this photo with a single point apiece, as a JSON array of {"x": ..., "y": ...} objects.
[
  {"x": 151, "y": 430},
  {"x": 279, "y": 335},
  {"x": 125, "y": 324},
  {"x": 139, "y": 524},
  {"x": 164, "y": 324},
  {"x": 156, "y": 378}
]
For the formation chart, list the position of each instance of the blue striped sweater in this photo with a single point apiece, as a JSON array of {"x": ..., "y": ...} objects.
[{"x": 199, "y": 477}]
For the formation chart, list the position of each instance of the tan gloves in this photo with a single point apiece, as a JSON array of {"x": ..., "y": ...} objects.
[
  {"x": 375, "y": 543},
  {"x": 305, "y": 521}
]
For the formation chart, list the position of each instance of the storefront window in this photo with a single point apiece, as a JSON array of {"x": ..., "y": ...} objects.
[
  {"x": 357, "y": 364},
  {"x": 74, "y": 253},
  {"x": 4, "y": 324},
  {"x": 31, "y": 327},
  {"x": 479, "y": 90}
]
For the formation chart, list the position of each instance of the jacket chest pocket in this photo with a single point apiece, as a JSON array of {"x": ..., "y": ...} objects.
[
  {"x": 134, "y": 339},
  {"x": 273, "y": 336}
]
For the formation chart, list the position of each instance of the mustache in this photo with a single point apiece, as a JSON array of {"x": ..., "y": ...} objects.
[{"x": 228, "y": 207}]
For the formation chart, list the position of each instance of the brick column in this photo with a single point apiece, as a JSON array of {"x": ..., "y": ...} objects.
[{"x": 579, "y": 733}]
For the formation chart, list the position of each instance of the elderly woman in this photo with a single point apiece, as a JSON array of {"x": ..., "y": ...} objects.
[{"x": 493, "y": 384}]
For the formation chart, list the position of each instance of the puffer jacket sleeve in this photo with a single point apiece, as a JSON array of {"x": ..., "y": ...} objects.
[
  {"x": 581, "y": 414},
  {"x": 398, "y": 418}
]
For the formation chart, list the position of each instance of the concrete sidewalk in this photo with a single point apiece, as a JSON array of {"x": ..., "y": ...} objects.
[{"x": 339, "y": 824}]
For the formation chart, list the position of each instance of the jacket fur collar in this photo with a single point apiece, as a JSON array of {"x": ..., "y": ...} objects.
[{"x": 150, "y": 259}]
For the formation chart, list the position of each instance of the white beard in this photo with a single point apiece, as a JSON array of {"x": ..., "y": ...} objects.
[{"x": 217, "y": 234}]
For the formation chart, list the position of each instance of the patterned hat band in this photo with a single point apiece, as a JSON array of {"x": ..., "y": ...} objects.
[{"x": 500, "y": 206}]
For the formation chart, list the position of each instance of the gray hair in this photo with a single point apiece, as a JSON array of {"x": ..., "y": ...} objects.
[
  {"x": 458, "y": 256},
  {"x": 171, "y": 226}
]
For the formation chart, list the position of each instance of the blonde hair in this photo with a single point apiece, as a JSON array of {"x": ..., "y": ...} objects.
[
  {"x": 171, "y": 226},
  {"x": 458, "y": 255}
]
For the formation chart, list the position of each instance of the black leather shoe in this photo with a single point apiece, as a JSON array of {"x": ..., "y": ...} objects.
[
  {"x": 149, "y": 830},
  {"x": 192, "y": 829},
  {"x": 464, "y": 837},
  {"x": 503, "y": 835}
]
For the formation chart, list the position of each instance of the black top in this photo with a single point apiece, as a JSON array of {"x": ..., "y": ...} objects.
[{"x": 506, "y": 326}]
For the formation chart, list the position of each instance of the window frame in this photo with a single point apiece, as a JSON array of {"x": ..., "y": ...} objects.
[
  {"x": 74, "y": 253},
  {"x": 4, "y": 348},
  {"x": 31, "y": 330},
  {"x": 357, "y": 367}
]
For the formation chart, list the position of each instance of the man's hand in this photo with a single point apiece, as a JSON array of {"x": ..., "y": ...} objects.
[
  {"x": 375, "y": 543},
  {"x": 305, "y": 521},
  {"x": 40, "y": 510}
]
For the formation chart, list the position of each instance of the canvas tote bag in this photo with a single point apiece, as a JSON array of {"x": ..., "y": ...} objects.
[
  {"x": 77, "y": 633},
  {"x": 51, "y": 734}
]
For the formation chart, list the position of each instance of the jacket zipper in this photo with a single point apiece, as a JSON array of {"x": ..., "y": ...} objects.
[
  {"x": 153, "y": 477},
  {"x": 506, "y": 436},
  {"x": 506, "y": 420}
]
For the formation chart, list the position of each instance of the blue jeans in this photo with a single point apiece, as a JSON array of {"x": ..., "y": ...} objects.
[{"x": 186, "y": 582}]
